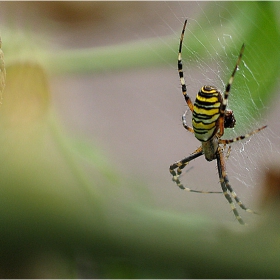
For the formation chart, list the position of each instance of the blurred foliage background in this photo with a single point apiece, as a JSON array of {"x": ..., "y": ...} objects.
[{"x": 86, "y": 131}]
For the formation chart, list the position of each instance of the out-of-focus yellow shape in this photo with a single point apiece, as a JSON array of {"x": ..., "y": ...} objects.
[
  {"x": 2, "y": 71},
  {"x": 26, "y": 96}
]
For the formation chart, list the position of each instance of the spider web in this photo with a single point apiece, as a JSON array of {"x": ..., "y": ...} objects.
[
  {"x": 248, "y": 158},
  {"x": 136, "y": 115}
]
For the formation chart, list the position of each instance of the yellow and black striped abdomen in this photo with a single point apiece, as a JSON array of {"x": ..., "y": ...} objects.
[{"x": 206, "y": 112}]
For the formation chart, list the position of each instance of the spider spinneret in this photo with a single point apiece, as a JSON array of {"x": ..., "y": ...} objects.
[{"x": 210, "y": 116}]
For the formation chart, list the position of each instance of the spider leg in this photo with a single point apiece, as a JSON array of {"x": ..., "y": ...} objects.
[
  {"x": 228, "y": 151},
  {"x": 179, "y": 165},
  {"x": 229, "y": 141},
  {"x": 226, "y": 94},
  {"x": 223, "y": 180},
  {"x": 228, "y": 86},
  {"x": 180, "y": 70},
  {"x": 226, "y": 187},
  {"x": 185, "y": 125}
]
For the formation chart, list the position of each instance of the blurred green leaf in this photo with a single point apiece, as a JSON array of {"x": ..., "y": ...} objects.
[{"x": 254, "y": 23}]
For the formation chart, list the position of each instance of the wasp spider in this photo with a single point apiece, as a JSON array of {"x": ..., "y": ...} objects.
[{"x": 210, "y": 117}]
